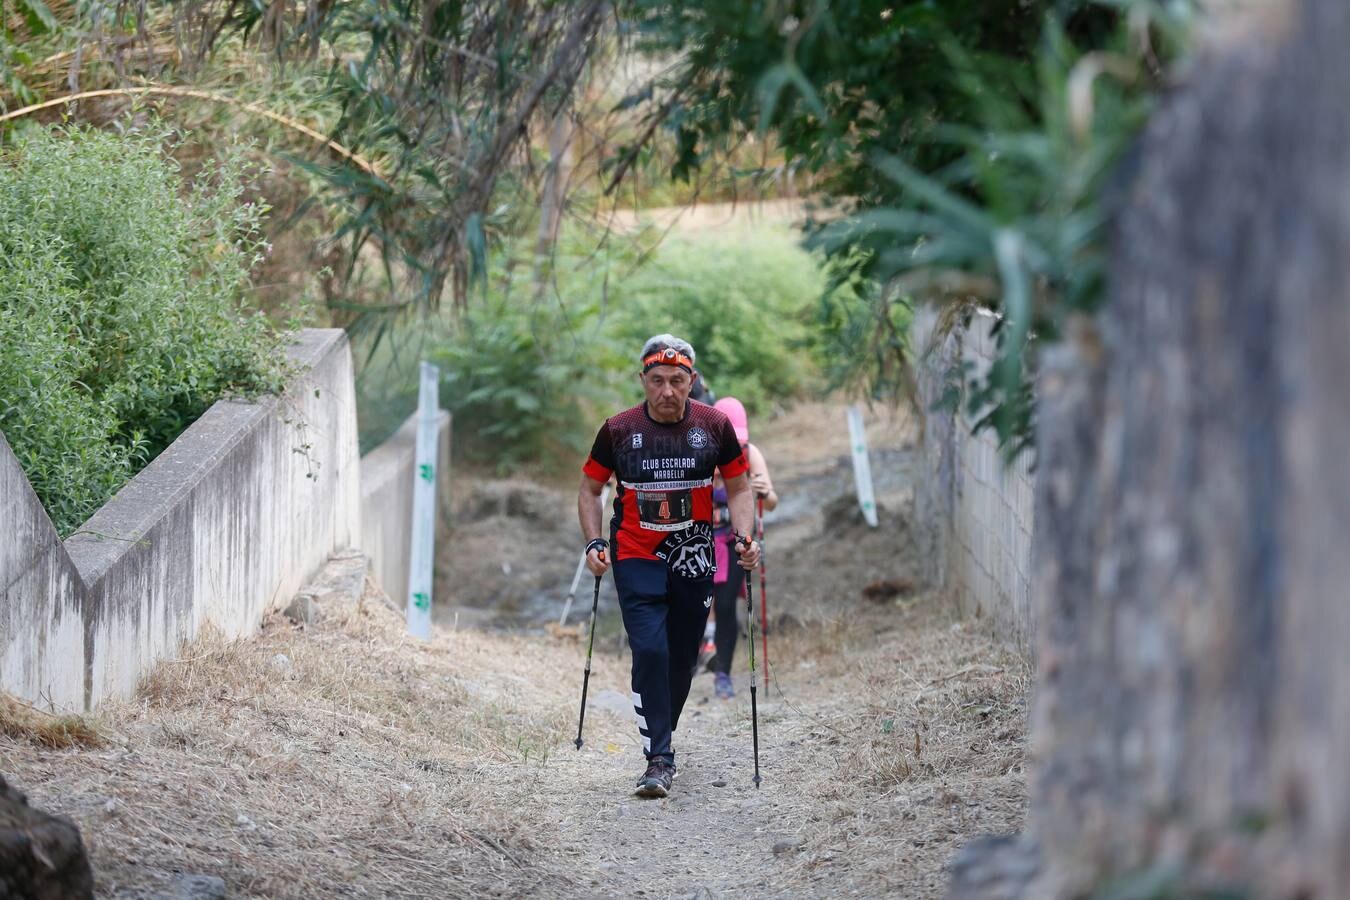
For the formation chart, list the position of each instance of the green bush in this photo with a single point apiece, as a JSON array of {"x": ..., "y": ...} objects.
[
  {"x": 1020, "y": 220},
  {"x": 531, "y": 370},
  {"x": 528, "y": 386},
  {"x": 744, "y": 302},
  {"x": 120, "y": 306}
]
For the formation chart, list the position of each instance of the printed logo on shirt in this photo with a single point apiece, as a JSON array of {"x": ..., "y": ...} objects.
[
  {"x": 707, "y": 604},
  {"x": 698, "y": 438},
  {"x": 637, "y": 441},
  {"x": 689, "y": 553}
]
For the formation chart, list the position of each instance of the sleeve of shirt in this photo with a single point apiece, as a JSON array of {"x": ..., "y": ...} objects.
[
  {"x": 600, "y": 464},
  {"x": 731, "y": 459}
]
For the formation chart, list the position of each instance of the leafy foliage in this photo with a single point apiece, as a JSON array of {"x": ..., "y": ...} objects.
[
  {"x": 835, "y": 82},
  {"x": 861, "y": 331},
  {"x": 745, "y": 303},
  {"x": 448, "y": 92},
  {"x": 967, "y": 137},
  {"x": 120, "y": 318},
  {"x": 525, "y": 372},
  {"x": 1018, "y": 220},
  {"x": 22, "y": 23},
  {"x": 519, "y": 391},
  {"x": 530, "y": 376},
  {"x": 417, "y": 108}
]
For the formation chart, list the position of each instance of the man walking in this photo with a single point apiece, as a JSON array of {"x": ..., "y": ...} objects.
[{"x": 664, "y": 452}]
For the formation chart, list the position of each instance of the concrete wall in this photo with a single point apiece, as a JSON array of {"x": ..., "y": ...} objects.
[
  {"x": 231, "y": 519},
  {"x": 386, "y": 503},
  {"x": 41, "y": 618},
  {"x": 976, "y": 508}
]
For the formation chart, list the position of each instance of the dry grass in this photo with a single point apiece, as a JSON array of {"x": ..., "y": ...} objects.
[
  {"x": 344, "y": 759},
  {"x": 908, "y": 725},
  {"x": 932, "y": 699},
  {"x": 21, "y": 722},
  {"x": 921, "y": 750},
  {"x": 304, "y": 761}
]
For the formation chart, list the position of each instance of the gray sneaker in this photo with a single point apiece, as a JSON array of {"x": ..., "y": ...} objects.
[
  {"x": 655, "y": 782},
  {"x": 724, "y": 689}
]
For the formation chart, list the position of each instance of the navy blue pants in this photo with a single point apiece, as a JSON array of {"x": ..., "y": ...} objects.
[{"x": 665, "y": 615}]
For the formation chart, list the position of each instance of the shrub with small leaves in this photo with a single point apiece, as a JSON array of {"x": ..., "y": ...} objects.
[
  {"x": 744, "y": 302},
  {"x": 122, "y": 313},
  {"x": 523, "y": 388}
]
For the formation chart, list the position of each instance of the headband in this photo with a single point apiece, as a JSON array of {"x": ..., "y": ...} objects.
[{"x": 668, "y": 357}]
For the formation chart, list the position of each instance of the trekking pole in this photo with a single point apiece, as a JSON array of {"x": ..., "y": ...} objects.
[
  {"x": 572, "y": 594},
  {"x": 586, "y": 680},
  {"x": 581, "y": 567},
  {"x": 750, "y": 640},
  {"x": 763, "y": 593}
]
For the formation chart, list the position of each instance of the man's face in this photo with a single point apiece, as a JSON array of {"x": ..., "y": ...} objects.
[{"x": 667, "y": 389}]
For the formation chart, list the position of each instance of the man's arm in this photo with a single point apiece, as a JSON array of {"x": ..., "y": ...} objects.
[
  {"x": 591, "y": 516},
  {"x": 759, "y": 478},
  {"x": 740, "y": 499}
]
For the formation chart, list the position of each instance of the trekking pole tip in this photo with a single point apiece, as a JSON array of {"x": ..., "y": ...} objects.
[{"x": 578, "y": 743}]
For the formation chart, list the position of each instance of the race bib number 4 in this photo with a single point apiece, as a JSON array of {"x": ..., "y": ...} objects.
[{"x": 665, "y": 510}]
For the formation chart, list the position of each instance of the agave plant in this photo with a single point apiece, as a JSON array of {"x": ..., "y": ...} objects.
[{"x": 1018, "y": 223}]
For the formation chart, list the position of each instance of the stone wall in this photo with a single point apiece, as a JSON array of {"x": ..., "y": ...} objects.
[{"x": 975, "y": 509}]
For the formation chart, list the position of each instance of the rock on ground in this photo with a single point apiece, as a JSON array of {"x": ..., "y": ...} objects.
[{"x": 41, "y": 856}]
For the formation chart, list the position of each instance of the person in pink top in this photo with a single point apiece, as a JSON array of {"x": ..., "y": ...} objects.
[{"x": 729, "y": 578}]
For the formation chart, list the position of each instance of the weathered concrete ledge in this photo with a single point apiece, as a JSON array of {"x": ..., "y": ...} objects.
[
  {"x": 387, "y": 499},
  {"x": 232, "y": 518},
  {"x": 41, "y": 616}
]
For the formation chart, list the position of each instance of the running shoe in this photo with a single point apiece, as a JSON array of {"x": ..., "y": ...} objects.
[
  {"x": 707, "y": 651},
  {"x": 655, "y": 782},
  {"x": 724, "y": 689}
]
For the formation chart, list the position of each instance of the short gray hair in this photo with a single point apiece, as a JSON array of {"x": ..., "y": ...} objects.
[{"x": 661, "y": 342}]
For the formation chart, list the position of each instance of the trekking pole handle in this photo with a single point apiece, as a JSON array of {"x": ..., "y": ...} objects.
[{"x": 744, "y": 540}]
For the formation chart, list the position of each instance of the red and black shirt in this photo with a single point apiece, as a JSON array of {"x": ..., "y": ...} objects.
[{"x": 664, "y": 505}]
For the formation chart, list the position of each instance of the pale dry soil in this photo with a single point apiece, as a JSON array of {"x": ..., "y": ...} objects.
[{"x": 344, "y": 759}]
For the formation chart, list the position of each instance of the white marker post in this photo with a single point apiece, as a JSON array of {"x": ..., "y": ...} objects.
[
  {"x": 422, "y": 552},
  {"x": 862, "y": 469}
]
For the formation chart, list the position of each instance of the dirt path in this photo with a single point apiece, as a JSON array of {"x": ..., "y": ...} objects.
[
  {"x": 889, "y": 734},
  {"x": 346, "y": 760},
  {"x": 868, "y": 786}
]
